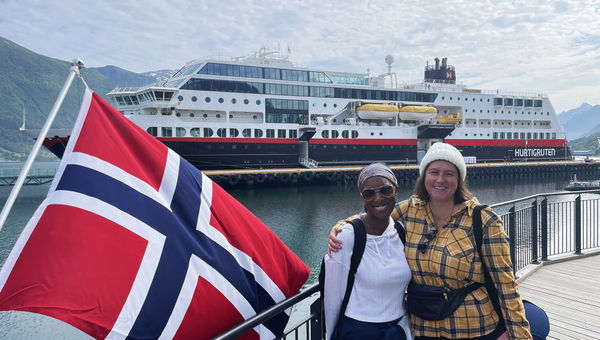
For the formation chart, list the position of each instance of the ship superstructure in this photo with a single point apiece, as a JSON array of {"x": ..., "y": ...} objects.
[{"x": 264, "y": 111}]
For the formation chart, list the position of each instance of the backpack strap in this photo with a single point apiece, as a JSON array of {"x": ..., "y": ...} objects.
[
  {"x": 489, "y": 285},
  {"x": 401, "y": 231},
  {"x": 360, "y": 240}
]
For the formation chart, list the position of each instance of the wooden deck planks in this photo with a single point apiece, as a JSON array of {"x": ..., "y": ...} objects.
[{"x": 569, "y": 292}]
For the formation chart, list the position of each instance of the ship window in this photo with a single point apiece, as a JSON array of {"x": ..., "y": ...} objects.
[
  {"x": 180, "y": 132},
  {"x": 270, "y": 133},
  {"x": 208, "y": 132},
  {"x": 178, "y": 114},
  {"x": 508, "y": 102},
  {"x": 207, "y": 99},
  {"x": 495, "y": 135},
  {"x": 246, "y": 101},
  {"x": 191, "y": 115},
  {"x": 195, "y": 132},
  {"x": 218, "y": 115},
  {"x": 222, "y": 132},
  {"x": 335, "y": 134},
  {"x": 345, "y": 134},
  {"x": 458, "y": 98},
  {"x": 194, "y": 98},
  {"x": 233, "y": 132},
  {"x": 180, "y": 98},
  {"x": 233, "y": 100},
  {"x": 221, "y": 100},
  {"x": 293, "y": 133},
  {"x": 497, "y": 101},
  {"x": 280, "y": 133},
  {"x": 354, "y": 134},
  {"x": 230, "y": 116},
  {"x": 528, "y": 135},
  {"x": 528, "y": 102},
  {"x": 153, "y": 131},
  {"x": 258, "y": 102},
  {"x": 258, "y": 133},
  {"x": 246, "y": 133},
  {"x": 501, "y": 135},
  {"x": 537, "y": 103},
  {"x": 325, "y": 133},
  {"x": 553, "y": 135},
  {"x": 166, "y": 132}
]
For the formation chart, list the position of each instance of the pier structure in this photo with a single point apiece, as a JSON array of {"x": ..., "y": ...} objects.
[
  {"x": 406, "y": 174},
  {"x": 555, "y": 249}
]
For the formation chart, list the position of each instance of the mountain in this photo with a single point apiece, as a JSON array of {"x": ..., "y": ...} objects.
[
  {"x": 30, "y": 83},
  {"x": 581, "y": 122}
]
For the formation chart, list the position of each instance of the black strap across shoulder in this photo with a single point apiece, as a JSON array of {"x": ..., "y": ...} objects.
[{"x": 489, "y": 284}]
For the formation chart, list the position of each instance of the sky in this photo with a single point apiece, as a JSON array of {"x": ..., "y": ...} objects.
[{"x": 548, "y": 47}]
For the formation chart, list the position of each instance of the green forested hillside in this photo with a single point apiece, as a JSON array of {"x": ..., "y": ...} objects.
[
  {"x": 31, "y": 82},
  {"x": 587, "y": 143}
]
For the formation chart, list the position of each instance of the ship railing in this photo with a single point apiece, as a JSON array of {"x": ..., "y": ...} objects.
[
  {"x": 440, "y": 85},
  {"x": 540, "y": 227}
]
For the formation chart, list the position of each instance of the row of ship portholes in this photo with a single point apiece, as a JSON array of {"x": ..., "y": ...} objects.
[
  {"x": 220, "y": 100},
  {"x": 508, "y": 112},
  {"x": 514, "y": 135},
  {"x": 234, "y": 101}
]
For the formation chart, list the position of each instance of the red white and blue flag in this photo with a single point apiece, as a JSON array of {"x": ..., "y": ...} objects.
[{"x": 134, "y": 242}]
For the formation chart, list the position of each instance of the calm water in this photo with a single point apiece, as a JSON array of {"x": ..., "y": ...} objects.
[{"x": 300, "y": 216}]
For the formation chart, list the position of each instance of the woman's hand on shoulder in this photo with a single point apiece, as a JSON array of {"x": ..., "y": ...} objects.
[{"x": 334, "y": 243}]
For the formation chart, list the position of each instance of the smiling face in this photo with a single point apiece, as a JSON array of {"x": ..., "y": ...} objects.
[
  {"x": 441, "y": 181},
  {"x": 379, "y": 206}
]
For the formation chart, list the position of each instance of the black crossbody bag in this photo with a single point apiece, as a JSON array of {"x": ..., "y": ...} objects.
[{"x": 435, "y": 303}]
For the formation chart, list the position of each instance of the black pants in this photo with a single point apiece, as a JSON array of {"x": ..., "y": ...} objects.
[{"x": 350, "y": 329}]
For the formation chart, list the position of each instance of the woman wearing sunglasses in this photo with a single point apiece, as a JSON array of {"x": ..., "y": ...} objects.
[
  {"x": 441, "y": 252},
  {"x": 375, "y": 308}
]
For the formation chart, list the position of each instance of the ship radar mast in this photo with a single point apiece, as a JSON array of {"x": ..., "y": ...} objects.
[{"x": 389, "y": 60}]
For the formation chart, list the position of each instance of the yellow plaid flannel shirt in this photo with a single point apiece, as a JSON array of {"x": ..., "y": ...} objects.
[{"x": 451, "y": 260}]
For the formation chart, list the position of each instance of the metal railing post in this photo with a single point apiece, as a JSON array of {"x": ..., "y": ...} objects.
[
  {"x": 513, "y": 236},
  {"x": 544, "y": 229},
  {"x": 316, "y": 326},
  {"x": 578, "y": 224},
  {"x": 76, "y": 66},
  {"x": 534, "y": 232}
]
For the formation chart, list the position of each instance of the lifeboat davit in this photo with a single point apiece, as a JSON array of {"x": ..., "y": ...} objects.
[
  {"x": 417, "y": 112},
  {"x": 377, "y": 111},
  {"x": 451, "y": 118}
]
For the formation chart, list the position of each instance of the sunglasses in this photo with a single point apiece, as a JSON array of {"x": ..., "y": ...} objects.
[
  {"x": 422, "y": 246},
  {"x": 386, "y": 191}
]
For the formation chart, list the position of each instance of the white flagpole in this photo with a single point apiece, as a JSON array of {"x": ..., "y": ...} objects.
[{"x": 76, "y": 66}]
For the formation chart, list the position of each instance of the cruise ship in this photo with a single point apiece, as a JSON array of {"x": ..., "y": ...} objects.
[{"x": 263, "y": 111}]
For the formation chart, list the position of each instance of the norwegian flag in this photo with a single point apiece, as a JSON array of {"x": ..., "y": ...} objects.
[{"x": 134, "y": 242}]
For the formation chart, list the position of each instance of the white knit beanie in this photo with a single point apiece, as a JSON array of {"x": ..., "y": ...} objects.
[{"x": 445, "y": 152}]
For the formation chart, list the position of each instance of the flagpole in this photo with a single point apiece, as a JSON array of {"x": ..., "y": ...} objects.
[{"x": 76, "y": 66}]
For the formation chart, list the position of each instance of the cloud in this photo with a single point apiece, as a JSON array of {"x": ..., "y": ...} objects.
[{"x": 535, "y": 46}]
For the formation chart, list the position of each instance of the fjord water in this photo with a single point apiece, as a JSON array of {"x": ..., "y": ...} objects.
[{"x": 301, "y": 216}]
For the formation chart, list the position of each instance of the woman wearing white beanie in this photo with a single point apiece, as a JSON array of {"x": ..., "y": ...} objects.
[{"x": 441, "y": 252}]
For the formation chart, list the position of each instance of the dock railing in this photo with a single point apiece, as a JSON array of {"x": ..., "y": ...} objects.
[{"x": 539, "y": 227}]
